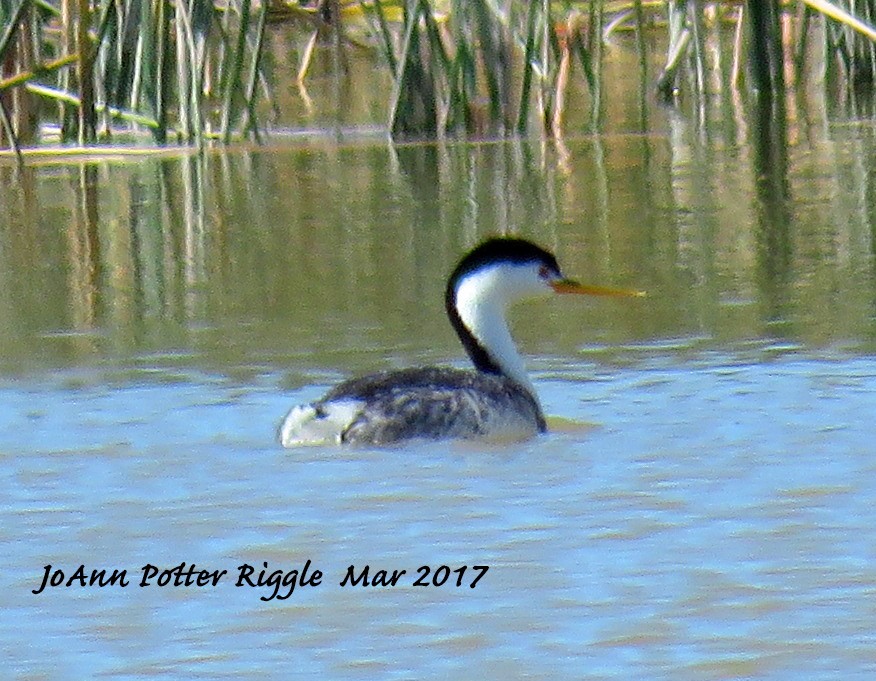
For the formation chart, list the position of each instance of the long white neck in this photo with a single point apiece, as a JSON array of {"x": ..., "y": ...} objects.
[{"x": 482, "y": 301}]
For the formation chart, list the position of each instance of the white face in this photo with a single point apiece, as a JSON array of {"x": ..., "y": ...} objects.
[{"x": 504, "y": 284}]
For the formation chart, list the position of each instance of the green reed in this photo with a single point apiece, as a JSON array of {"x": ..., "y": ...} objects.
[
  {"x": 481, "y": 69},
  {"x": 188, "y": 71},
  {"x": 184, "y": 71},
  {"x": 850, "y": 44},
  {"x": 452, "y": 62}
]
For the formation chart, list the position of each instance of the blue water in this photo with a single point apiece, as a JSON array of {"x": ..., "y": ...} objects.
[
  {"x": 703, "y": 509},
  {"x": 713, "y": 520}
]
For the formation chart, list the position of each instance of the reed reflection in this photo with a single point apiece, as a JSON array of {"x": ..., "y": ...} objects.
[
  {"x": 84, "y": 252},
  {"x": 270, "y": 253},
  {"x": 774, "y": 242}
]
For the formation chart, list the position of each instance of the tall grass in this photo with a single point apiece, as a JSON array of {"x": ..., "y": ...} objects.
[
  {"x": 184, "y": 71},
  {"x": 453, "y": 68},
  {"x": 850, "y": 45},
  {"x": 189, "y": 70},
  {"x": 483, "y": 69}
]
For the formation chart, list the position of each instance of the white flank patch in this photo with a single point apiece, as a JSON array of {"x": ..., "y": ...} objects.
[{"x": 304, "y": 426}]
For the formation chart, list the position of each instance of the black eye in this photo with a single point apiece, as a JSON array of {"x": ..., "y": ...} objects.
[{"x": 545, "y": 272}]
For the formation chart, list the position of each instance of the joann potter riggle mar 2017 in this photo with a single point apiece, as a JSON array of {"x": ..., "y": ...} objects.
[{"x": 189, "y": 575}]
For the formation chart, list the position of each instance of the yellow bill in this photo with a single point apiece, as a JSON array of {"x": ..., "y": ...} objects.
[{"x": 569, "y": 286}]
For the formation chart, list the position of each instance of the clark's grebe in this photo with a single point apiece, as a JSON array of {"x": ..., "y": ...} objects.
[{"x": 498, "y": 401}]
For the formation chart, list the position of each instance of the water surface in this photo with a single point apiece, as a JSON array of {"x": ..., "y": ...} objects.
[{"x": 712, "y": 519}]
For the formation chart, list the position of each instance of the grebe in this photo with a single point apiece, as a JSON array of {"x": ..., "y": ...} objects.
[{"x": 495, "y": 402}]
